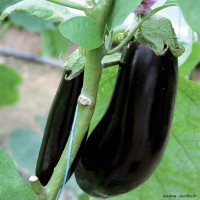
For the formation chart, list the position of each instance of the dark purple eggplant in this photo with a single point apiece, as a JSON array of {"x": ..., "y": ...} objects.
[
  {"x": 58, "y": 127},
  {"x": 128, "y": 143}
]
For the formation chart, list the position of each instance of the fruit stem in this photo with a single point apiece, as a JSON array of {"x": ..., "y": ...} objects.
[{"x": 132, "y": 32}]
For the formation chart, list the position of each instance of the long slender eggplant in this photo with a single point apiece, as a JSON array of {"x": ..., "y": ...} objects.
[
  {"x": 58, "y": 127},
  {"x": 128, "y": 143}
]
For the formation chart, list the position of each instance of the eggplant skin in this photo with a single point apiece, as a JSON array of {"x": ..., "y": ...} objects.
[
  {"x": 58, "y": 127},
  {"x": 128, "y": 143}
]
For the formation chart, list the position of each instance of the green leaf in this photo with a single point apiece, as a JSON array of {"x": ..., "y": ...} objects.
[
  {"x": 9, "y": 80},
  {"x": 120, "y": 11},
  {"x": 42, "y": 9},
  {"x": 111, "y": 60},
  {"x": 53, "y": 42},
  {"x": 84, "y": 197},
  {"x": 12, "y": 186},
  {"x": 74, "y": 63},
  {"x": 5, "y": 3},
  {"x": 191, "y": 62},
  {"x": 108, "y": 41},
  {"x": 106, "y": 86},
  {"x": 30, "y": 22},
  {"x": 179, "y": 171},
  {"x": 185, "y": 55},
  {"x": 190, "y": 11},
  {"x": 159, "y": 36},
  {"x": 83, "y": 31},
  {"x": 24, "y": 142}
]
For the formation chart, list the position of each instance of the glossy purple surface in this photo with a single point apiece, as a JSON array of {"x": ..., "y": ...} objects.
[
  {"x": 58, "y": 127},
  {"x": 127, "y": 144}
]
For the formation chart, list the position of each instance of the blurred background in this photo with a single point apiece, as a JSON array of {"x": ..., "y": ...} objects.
[{"x": 34, "y": 51}]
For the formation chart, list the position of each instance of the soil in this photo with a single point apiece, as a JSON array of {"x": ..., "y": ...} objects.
[
  {"x": 36, "y": 94},
  {"x": 39, "y": 85},
  {"x": 21, "y": 39}
]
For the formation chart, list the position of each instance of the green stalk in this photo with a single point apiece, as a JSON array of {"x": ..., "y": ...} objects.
[
  {"x": 37, "y": 187},
  {"x": 93, "y": 63},
  {"x": 92, "y": 75},
  {"x": 131, "y": 34}
]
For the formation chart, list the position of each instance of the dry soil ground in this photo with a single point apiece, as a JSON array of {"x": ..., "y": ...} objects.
[{"x": 39, "y": 83}]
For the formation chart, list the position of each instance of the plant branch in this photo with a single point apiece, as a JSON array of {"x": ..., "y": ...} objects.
[
  {"x": 92, "y": 75},
  {"x": 132, "y": 32},
  {"x": 37, "y": 187},
  {"x": 84, "y": 116},
  {"x": 69, "y": 4}
]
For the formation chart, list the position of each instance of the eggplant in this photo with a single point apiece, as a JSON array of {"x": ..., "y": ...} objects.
[
  {"x": 58, "y": 127},
  {"x": 127, "y": 144}
]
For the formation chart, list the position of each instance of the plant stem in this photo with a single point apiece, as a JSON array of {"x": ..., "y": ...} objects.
[
  {"x": 93, "y": 63},
  {"x": 92, "y": 75},
  {"x": 37, "y": 187},
  {"x": 69, "y": 4},
  {"x": 131, "y": 34}
]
